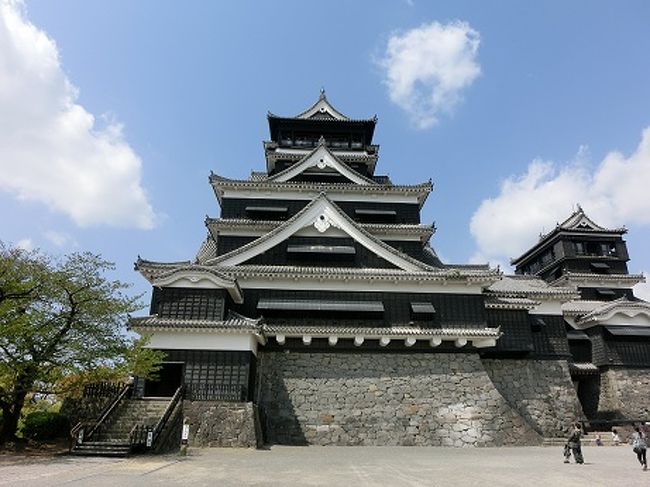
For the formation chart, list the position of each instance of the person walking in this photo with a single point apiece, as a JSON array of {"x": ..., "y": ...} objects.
[
  {"x": 640, "y": 446},
  {"x": 616, "y": 439},
  {"x": 573, "y": 445}
]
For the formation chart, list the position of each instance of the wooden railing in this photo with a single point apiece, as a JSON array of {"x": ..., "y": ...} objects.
[{"x": 103, "y": 389}]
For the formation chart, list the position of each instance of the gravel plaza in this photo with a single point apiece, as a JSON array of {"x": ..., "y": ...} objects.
[{"x": 335, "y": 466}]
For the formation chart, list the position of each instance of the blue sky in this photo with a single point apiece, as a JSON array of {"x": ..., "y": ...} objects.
[{"x": 114, "y": 113}]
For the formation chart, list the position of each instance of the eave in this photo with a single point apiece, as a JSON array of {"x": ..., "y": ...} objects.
[
  {"x": 219, "y": 184},
  {"x": 216, "y": 226},
  {"x": 163, "y": 274},
  {"x": 476, "y": 337},
  {"x": 441, "y": 276},
  {"x": 577, "y": 278}
]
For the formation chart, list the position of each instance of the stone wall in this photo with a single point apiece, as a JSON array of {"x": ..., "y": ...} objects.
[
  {"x": 625, "y": 393},
  {"x": 385, "y": 399},
  {"x": 223, "y": 424},
  {"x": 540, "y": 390}
]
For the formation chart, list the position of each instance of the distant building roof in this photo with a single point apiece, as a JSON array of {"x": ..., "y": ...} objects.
[{"x": 577, "y": 222}]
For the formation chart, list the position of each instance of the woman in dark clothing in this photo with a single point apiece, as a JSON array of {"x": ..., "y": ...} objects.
[{"x": 573, "y": 445}]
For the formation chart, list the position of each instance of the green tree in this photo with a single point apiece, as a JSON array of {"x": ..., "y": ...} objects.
[{"x": 61, "y": 318}]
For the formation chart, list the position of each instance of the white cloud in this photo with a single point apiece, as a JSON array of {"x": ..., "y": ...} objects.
[
  {"x": 60, "y": 239},
  {"x": 25, "y": 244},
  {"x": 427, "y": 68},
  {"x": 611, "y": 192},
  {"x": 51, "y": 150},
  {"x": 643, "y": 290}
]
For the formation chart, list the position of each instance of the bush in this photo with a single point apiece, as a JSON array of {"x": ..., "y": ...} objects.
[{"x": 45, "y": 425}]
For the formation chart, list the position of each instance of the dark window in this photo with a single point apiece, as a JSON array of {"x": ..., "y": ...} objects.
[
  {"x": 592, "y": 248},
  {"x": 599, "y": 267},
  {"x": 196, "y": 304},
  {"x": 320, "y": 306},
  {"x": 580, "y": 248},
  {"x": 628, "y": 331},
  {"x": 606, "y": 294},
  {"x": 538, "y": 324},
  {"x": 267, "y": 212},
  {"x": 422, "y": 311},
  {"x": 322, "y": 249},
  {"x": 375, "y": 216}
]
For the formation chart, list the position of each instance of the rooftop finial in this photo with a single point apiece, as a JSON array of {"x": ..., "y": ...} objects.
[
  {"x": 322, "y": 93},
  {"x": 579, "y": 208}
]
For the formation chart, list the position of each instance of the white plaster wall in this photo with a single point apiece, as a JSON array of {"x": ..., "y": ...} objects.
[{"x": 202, "y": 341}]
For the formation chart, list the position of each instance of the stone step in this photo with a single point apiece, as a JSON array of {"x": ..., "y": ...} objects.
[
  {"x": 102, "y": 448},
  {"x": 589, "y": 440}
]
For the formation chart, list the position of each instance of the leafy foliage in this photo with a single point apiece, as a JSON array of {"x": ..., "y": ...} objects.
[
  {"x": 62, "y": 323},
  {"x": 45, "y": 425}
]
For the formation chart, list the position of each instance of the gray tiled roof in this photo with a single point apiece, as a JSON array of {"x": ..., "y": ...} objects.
[
  {"x": 241, "y": 324},
  {"x": 496, "y": 302},
  {"x": 220, "y": 181},
  {"x": 529, "y": 286},
  {"x": 577, "y": 222},
  {"x": 207, "y": 250},
  {"x": 385, "y": 331},
  {"x": 590, "y": 276},
  {"x": 268, "y": 225},
  {"x": 435, "y": 274},
  {"x": 580, "y": 306},
  {"x": 229, "y": 325},
  {"x": 158, "y": 270},
  {"x": 602, "y": 311}
]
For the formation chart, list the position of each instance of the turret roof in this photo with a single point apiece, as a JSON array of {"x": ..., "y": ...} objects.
[
  {"x": 578, "y": 222},
  {"x": 323, "y": 110}
]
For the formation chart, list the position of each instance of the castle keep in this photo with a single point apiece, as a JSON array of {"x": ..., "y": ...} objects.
[{"x": 317, "y": 312}]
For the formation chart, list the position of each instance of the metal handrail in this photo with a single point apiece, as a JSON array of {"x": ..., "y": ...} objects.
[
  {"x": 165, "y": 417},
  {"x": 109, "y": 409}
]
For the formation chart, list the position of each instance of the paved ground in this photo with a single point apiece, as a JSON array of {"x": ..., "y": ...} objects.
[{"x": 336, "y": 466}]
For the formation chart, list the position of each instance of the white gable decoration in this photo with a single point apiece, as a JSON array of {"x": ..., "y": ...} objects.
[
  {"x": 321, "y": 158},
  {"x": 322, "y": 214}
]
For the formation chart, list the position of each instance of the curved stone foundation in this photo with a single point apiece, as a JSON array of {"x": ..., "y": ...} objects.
[
  {"x": 540, "y": 390},
  {"x": 625, "y": 393},
  {"x": 385, "y": 399}
]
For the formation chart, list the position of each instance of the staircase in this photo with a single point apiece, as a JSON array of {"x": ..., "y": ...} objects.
[
  {"x": 112, "y": 438},
  {"x": 588, "y": 440}
]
